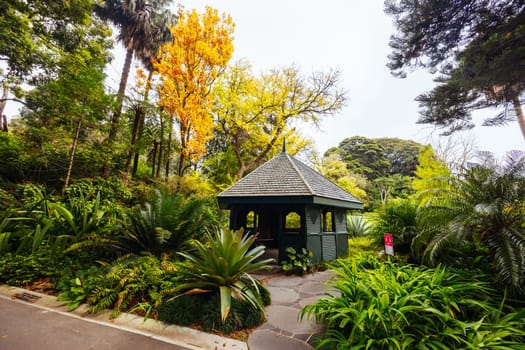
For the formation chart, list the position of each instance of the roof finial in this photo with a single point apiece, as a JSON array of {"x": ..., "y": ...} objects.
[{"x": 284, "y": 145}]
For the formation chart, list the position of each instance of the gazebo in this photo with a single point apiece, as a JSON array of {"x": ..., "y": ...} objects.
[{"x": 291, "y": 205}]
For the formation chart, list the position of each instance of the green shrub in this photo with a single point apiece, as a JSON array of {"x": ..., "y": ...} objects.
[
  {"x": 362, "y": 244},
  {"x": 39, "y": 221},
  {"x": 75, "y": 288},
  {"x": 398, "y": 217},
  {"x": 299, "y": 263},
  {"x": 20, "y": 270},
  {"x": 11, "y": 157},
  {"x": 480, "y": 212},
  {"x": 389, "y": 306},
  {"x": 112, "y": 190},
  {"x": 166, "y": 224}
]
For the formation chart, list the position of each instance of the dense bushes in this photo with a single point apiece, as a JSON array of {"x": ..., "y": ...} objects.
[
  {"x": 92, "y": 248},
  {"x": 397, "y": 306}
]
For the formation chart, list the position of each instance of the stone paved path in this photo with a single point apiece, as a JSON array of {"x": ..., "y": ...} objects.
[{"x": 282, "y": 329}]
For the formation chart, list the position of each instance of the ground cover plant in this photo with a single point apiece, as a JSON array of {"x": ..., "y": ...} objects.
[
  {"x": 386, "y": 305},
  {"x": 298, "y": 262}
]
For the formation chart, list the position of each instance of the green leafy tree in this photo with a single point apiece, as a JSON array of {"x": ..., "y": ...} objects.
[
  {"x": 478, "y": 46},
  {"x": 385, "y": 188},
  {"x": 363, "y": 156},
  {"x": 220, "y": 168},
  {"x": 71, "y": 102},
  {"x": 336, "y": 171},
  {"x": 33, "y": 37},
  {"x": 59, "y": 50},
  {"x": 158, "y": 35},
  {"x": 402, "y": 155}
]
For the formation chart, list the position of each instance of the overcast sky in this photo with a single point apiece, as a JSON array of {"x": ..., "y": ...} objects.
[{"x": 352, "y": 36}]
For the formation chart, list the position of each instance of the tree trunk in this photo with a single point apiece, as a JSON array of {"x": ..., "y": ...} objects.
[
  {"x": 161, "y": 143},
  {"x": 159, "y": 160},
  {"x": 168, "y": 150},
  {"x": 72, "y": 155},
  {"x": 116, "y": 115},
  {"x": 183, "y": 146},
  {"x": 138, "y": 125},
  {"x": 154, "y": 157},
  {"x": 3, "y": 123},
  {"x": 135, "y": 164},
  {"x": 519, "y": 114},
  {"x": 134, "y": 136},
  {"x": 246, "y": 167},
  {"x": 3, "y": 102}
]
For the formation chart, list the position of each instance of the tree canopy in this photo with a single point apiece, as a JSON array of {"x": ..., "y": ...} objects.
[
  {"x": 478, "y": 48},
  {"x": 188, "y": 66},
  {"x": 254, "y": 114},
  {"x": 33, "y": 37},
  {"x": 375, "y": 158}
]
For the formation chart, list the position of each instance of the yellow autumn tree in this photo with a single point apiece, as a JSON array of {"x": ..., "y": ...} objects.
[
  {"x": 188, "y": 66},
  {"x": 255, "y": 114}
]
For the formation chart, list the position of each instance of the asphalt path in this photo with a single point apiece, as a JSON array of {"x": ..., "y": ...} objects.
[{"x": 24, "y": 326}]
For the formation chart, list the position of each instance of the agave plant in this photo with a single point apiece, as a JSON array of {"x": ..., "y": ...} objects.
[
  {"x": 357, "y": 225},
  {"x": 223, "y": 263}
]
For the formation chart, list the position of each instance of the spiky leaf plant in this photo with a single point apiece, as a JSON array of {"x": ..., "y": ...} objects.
[
  {"x": 357, "y": 225},
  {"x": 223, "y": 263}
]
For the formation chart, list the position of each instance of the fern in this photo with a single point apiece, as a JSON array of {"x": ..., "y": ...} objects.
[
  {"x": 132, "y": 280},
  {"x": 166, "y": 224}
]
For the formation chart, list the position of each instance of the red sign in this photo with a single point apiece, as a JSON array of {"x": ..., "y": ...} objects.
[{"x": 389, "y": 244}]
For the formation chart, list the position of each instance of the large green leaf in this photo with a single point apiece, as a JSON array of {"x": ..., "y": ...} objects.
[{"x": 226, "y": 299}]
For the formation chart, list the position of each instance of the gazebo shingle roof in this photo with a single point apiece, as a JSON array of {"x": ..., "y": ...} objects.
[{"x": 285, "y": 176}]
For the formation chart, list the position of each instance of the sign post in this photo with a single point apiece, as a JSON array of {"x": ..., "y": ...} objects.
[{"x": 389, "y": 244}]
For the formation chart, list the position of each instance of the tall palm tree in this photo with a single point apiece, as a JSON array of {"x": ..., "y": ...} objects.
[
  {"x": 159, "y": 34},
  {"x": 485, "y": 210},
  {"x": 134, "y": 18}
]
